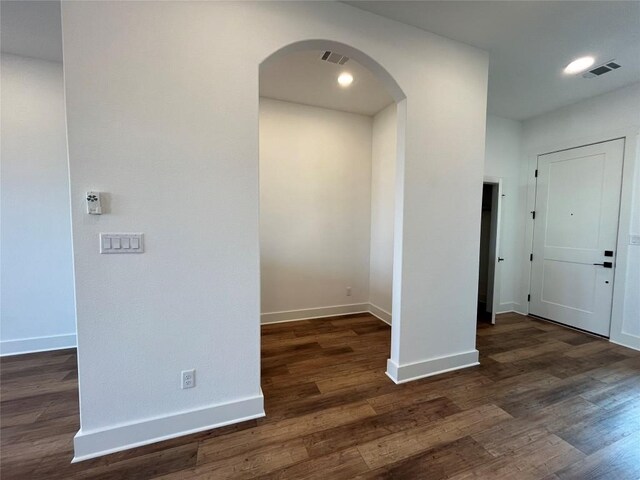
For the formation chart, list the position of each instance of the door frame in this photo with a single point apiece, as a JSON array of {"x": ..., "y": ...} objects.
[
  {"x": 631, "y": 138},
  {"x": 493, "y": 285}
]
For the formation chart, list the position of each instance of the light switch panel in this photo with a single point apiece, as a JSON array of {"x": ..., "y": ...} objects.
[{"x": 121, "y": 243}]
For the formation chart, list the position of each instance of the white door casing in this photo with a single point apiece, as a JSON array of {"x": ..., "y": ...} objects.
[
  {"x": 576, "y": 221},
  {"x": 493, "y": 287}
]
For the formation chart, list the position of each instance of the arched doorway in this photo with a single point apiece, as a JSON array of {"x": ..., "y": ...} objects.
[{"x": 282, "y": 273}]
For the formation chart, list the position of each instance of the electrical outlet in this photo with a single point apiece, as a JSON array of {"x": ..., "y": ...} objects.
[
  {"x": 188, "y": 379},
  {"x": 348, "y": 291}
]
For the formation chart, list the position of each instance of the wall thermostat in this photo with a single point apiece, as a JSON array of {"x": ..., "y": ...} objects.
[{"x": 94, "y": 203}]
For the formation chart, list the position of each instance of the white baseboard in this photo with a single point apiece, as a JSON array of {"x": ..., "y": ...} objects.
[
  {"x": 96, "y": 443},
  {"x": 325, "y": 312},
  {"x": 37, "y": 344},
  {"x": 311, "y": 313},
  {"x": 521, "y": 309},
  {"x": 433, "y": 366},
  {"x": 626, "y": 340},
  {"x": 507, "y": 307},
  {"x": 380, "y": 313}
]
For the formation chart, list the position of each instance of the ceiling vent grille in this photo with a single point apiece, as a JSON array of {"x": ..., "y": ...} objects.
[
  {"x": 333, "y": 57},
  {"x": 601, "y": 69}
]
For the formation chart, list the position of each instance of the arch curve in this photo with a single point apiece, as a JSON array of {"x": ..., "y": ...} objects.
[{"x": 359, "y": 56}]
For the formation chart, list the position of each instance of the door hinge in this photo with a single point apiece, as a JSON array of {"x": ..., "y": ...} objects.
[
  {"x": 529, "y": 298},
  {"x": 533, "y": 214},
  {"x": 536, "y": 173},
  {"x": 531, "y": 257}
]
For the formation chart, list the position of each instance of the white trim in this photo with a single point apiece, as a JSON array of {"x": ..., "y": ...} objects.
[
  {"x": 433, "y": 366},
  {"x": 631, "y": 157},
  {"x": 37, "y": 344},
  {"x": 311, "y": 313},
  {"x": 513, "y": 310},
  {"x": 380, "y": 313},
  {"x": 522, "y": 310},
  {"x": 627, "y": 340},
  {"x": 507, "y": 307},
  {"x": 494, "y": 247},
  {"x": 531, "y": 182},
  {"x": 91, "y": 444},
  {"x": 325, "y": 312}
]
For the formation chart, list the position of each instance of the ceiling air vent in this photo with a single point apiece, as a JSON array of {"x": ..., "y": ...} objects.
[
  {"x": 333, "y": 57},
  {"x": 601, "y": 69}
]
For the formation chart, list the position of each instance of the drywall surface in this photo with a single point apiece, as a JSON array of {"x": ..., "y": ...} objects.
[
  {"x": 503, "y": 159},
  {"x": 38, "y": 311},
  {"x": 631, "y": 306},
  {"x": 162, "y": 106},
  {"x": 315, "y": 196},
  {"x": 601, "y": 118},
  {"x": 383, "y": 190}
]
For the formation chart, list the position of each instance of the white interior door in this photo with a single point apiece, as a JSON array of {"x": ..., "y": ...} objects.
[
  {"x": 576, "y": 224},
  {"x": 493, "y": 283}
]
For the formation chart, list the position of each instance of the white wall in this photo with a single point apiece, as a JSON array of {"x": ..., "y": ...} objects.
[
  {"x": 383, "y": 190},
  {"x": 166, "y": 121},
  {"x": 612, "y": 115},
  {"x": 315, "y": 197},
  {"x": 631, "y": 306},
  {"x": 38, "y": 311},
  {"x": 503, "y": 159}
]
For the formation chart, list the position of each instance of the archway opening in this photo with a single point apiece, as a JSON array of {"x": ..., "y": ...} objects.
[{"x": 331, "y": 163}]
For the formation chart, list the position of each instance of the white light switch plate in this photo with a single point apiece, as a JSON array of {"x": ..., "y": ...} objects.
[
  {"x": 121, "y": 243},
  {"x": 634, "y": 239}
]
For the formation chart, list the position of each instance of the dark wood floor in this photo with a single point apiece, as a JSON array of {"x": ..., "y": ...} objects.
[{"x": 545, "y": 403}]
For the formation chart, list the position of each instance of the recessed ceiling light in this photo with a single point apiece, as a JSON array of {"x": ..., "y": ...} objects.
[
  {"x": 579, "y": 65},
  {"x": 345, "y": 79}
]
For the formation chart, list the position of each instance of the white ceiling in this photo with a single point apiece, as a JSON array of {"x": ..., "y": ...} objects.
[
  {"x": 530, "y": 42},
  {"x": 31, "y": 29},
  {"x": 302, "y": 77}
]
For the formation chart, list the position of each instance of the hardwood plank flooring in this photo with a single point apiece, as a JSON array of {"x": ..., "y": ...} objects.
[{"x": 545, "y": 403}]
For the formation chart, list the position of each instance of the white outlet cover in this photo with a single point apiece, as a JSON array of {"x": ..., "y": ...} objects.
[
  {"x": 188, "y": 379},
  {"x": 634, "y": 239}
]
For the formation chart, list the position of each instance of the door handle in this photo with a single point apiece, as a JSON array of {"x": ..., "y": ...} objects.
[
  {"x": 605, "y": 264},
  {"x": 500, "y": 259}
]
